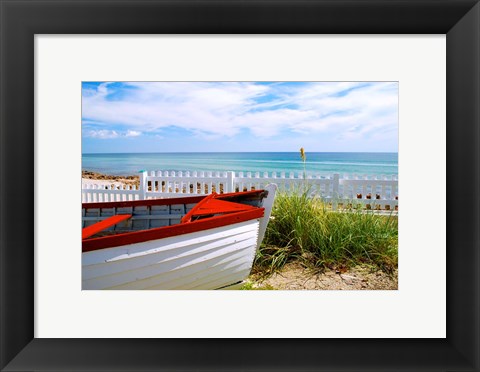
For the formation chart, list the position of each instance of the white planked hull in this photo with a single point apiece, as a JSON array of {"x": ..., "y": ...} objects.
[{"x": 208, "y": 259}]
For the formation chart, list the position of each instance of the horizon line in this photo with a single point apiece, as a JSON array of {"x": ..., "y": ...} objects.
[{"x": 241, "y": 152}]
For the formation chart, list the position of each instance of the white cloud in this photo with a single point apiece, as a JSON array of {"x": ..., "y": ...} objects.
[
  {"x": 102, "y": 134},
  {"x": 109, "y": 134},
  {"x": 133, "y": 133},
  {"x": 215, "y": 110}
]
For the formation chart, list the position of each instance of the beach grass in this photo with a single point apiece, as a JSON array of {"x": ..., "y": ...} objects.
[
  {"x": 250, "y": 286},
  {"x": 306, "y": 229}
]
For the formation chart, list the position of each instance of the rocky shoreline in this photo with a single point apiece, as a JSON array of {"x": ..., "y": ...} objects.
[{"x": 110, "y": 179}]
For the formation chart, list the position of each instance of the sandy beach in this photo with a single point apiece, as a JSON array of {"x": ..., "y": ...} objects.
[
  {"x": 295, "y": 277},
  {"x": 94, "y": 178}
]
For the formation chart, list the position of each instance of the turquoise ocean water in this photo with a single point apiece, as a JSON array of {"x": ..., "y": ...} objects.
[{"x": 318, "y": 163}]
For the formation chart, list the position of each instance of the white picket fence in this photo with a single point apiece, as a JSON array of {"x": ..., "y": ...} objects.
[{"x": 373, "y": 191}]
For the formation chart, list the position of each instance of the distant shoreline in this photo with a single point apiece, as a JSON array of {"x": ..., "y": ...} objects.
[{"x": 90, "y": 178}]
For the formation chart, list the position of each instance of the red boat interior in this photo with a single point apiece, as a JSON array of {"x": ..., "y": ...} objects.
[{"x": 119, "y": 223}]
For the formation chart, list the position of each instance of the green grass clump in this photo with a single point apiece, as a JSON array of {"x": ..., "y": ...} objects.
[
  {"x": 305, "y": 228},
  {"x": 249, "y": 286}
]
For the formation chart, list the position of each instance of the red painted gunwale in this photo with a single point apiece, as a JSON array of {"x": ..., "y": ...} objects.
[
  {"x": 168, "y": 201},
  {"x": 93, "y": 244}
]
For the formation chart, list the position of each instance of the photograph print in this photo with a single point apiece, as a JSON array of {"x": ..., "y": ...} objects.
[{"x": 240, "y": 185}]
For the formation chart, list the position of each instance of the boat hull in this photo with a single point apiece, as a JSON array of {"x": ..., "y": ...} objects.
[{"x": 209, "y": 259}]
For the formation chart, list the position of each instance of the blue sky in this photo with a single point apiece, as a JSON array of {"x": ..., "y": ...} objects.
[{"x": 239, "y": 116}]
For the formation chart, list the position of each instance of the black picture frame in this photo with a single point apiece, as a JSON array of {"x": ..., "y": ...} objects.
[{"x": 21, "y": 20}]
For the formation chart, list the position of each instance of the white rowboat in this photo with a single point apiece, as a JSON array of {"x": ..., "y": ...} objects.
[{"x": 199, "y": 242}]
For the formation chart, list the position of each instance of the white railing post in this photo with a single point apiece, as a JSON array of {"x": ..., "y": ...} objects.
[
  {"x": 336, "y": 184},
  {"x": 143, "y": 185},
  {"x": 230, "y": 187}
]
